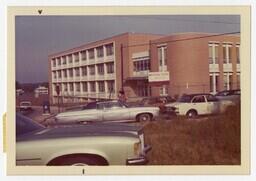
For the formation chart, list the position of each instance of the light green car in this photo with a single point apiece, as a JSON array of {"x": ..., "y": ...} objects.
[{"x": 90, "y": 144}]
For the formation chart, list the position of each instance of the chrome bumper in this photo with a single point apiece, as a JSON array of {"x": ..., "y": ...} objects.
[{"x": 141, "y": 159}]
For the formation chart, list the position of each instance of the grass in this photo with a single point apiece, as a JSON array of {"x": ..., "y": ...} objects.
[{"x": 203, "y": 141}]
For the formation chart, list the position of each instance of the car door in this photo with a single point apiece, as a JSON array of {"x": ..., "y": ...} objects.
[
  {"x": 90, "y": 113},
  {"x": 199, "y": 104},
  {"x": 114, "y": 111},
  {"x": 212, "y": 104}
]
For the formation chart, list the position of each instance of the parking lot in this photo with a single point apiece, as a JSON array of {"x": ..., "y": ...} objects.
[{"x": 207, "y": 140}]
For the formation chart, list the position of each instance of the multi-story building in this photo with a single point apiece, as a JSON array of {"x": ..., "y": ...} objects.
[
  {"x": 93, "y": 71},
  {"x": 196, "y": 62}
]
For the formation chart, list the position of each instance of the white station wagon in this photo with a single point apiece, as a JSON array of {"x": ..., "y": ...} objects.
[
  {"x": 191, "y": 105},
  {"x": 108, "y": 111}
]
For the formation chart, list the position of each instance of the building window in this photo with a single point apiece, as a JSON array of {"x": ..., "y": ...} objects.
[
  {"x": 227, "y": 53},
  {"x": 76, "y": 57},
  {"x": 144, "y": 90},
  {"x": 238, "y": 54},
  {"x": 238, "y": 81},
  {"x": 77, "y": 87},
  {"x": 53, "y": 62},
  {"x": 83, "y": 55},
  {"x": 111, "y": 86},
  {"x": 163, "y": 90},
  {"x": 84, "y": 71},
  {"x": 65, "y": 87},
  {"x": 59, "y": 74},
  {"x": 109, "y": 49},
  {"x": 162, "y": 56},
  {"x": 65, "y": 73},
  {"x": 59, "y": 61},
  {"x": 92, "y": 70},
  {"x": 64, "y": 62},
  {"x": 100, "y": 68},
  {"x": 92, "y": 87},
  {"x": 85, "y": 88},
  {"x": 214, "y": 83},
  {"x": 71, "y": 87},
  {"x": 77, "y": 72},
  {"x": 100, "y": 52},
  {"x": 70, "y": 72},
  {"x": 70, "y": 60},
  {"x": 213, "y": 53},
  {"x": 54, "y": 75},
  {"x": 141, "y": 65},
  {"x": 101, "y": 85},
  {"x": 227, "y": 81},
  {"x": 91, "y": 53},
  {"x": 110, "y": 68}
]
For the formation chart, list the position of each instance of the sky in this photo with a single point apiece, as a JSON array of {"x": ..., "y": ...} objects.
[{"x": 38, "y": 36}]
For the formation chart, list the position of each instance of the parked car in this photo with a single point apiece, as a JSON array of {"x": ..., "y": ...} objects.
[
  {"x": 192, "y": 105},
  {"x": 25, "y": 107},
  {"x": 159, "y": 101},
  {"x": 91, "y": 144},
  {"x": 108, "y": 111},
  {"x": 233, "y": 95}
]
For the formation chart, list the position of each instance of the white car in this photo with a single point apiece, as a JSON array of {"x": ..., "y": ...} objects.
[
  {"x": 192, "y": 105},
  {"x": 108, "y": 111}
]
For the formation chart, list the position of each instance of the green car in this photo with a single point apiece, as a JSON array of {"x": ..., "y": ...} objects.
[{"x": 90, "y": 144}]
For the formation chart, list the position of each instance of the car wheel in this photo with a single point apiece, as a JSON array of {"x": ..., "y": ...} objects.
[
  {"x": 144, "y": 117},
  {"x": 79, "y": 161},
  {"x": 191, "y": 114}
]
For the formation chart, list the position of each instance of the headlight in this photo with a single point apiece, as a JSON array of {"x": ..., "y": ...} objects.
[{"x": 137, "y": 148}]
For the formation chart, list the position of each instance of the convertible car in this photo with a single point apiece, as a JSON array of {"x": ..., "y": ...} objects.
[{"x": 91, "y": 144}]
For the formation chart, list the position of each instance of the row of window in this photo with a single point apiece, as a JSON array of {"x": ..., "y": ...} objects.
[
  {"x": 85, "y": 54},
  {"x": 227, "y": 50},
  {"x": 83, "y": 71},
  {"x": 141, "y": 65},
  {"x": 88, "y": 86},
  {"x": 228, "y": 82}
]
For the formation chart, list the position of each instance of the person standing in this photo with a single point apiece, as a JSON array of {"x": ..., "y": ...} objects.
[{"x": 121, "y": 96}]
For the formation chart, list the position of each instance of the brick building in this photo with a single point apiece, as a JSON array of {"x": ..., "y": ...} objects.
[{"x": 196, "y": 62}]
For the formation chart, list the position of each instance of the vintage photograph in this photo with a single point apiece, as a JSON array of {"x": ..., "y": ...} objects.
[{"x": 128, "y": 90}]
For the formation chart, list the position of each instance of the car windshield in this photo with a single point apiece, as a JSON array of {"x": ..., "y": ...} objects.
[
  {"x": 25, "y": 125},
  {"x": 185, "y": 98},
  {"x": 25, "y": 104}
]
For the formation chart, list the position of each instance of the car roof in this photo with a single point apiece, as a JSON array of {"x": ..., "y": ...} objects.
[{"x": 197, "y": 94}]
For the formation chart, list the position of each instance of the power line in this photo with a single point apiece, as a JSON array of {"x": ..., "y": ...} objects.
[
  {"x": 175, "y": 19},
  {"x": 183, "y": 39}
]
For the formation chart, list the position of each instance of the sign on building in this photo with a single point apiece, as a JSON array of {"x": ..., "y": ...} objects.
[{"x": 158, "y": 76}]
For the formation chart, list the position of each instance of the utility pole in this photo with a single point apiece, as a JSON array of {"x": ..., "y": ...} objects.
[
  {"x": 58, "y": 96},
  {"x": 122, "y": 68}
]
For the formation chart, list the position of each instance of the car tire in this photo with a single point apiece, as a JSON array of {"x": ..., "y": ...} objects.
[
  {"x": 191, "y": 114},
  {"x": 78, "y": 161},
  {"x": 144, "y": 117}
]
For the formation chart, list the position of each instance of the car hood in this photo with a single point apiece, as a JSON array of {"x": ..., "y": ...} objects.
[{"x": 96, "y": 129}]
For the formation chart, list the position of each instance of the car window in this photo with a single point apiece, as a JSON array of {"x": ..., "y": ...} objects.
[
  {"x": 185, "y": 98},
  {"x": 100, "y": 105},
  {"x": 211, "y": 98},
  {"x": 198, "y": 99},
  {"x": 25, "y": 125},
  {"x": 91, "y": 105},
  {"x": 112, "y": 105}
]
